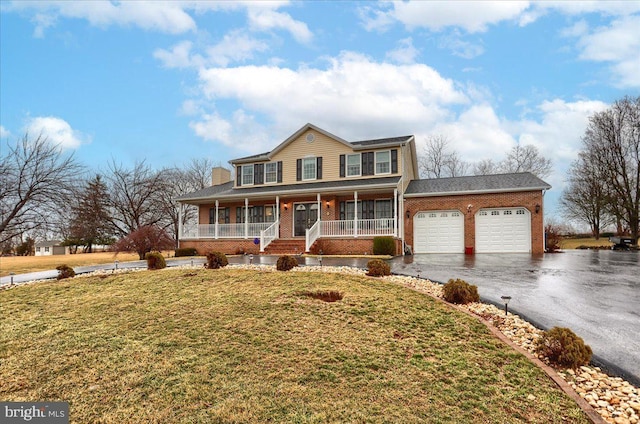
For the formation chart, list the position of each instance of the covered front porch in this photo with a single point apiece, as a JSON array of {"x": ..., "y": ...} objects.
[{"x": 305, "y": 217}]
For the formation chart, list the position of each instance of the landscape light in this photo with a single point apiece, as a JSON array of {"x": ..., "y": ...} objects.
[
  {"x": 12, "y": 274},
  {"x": 250, "y": 259},
  {"x": 116, "y": 263},
  {"x": 505, "y": 300}
]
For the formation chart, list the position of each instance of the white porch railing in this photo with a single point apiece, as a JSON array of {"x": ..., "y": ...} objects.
[
  {"x": 224, "y": 231},
  {"x": 312, "y": 235},
  {"x": 364, "y": 227},
  {"x": 270, "y": 234}
]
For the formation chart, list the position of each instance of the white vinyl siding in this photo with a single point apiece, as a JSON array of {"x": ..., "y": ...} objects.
[
  {"x": 383, "y": 162},
  {"x": 270, "y": 172},
  {"x": 354, "y": 162}
]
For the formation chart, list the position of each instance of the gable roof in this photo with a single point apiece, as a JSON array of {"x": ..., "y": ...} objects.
[
  {"x": 228, "y": 192},
  {"x": 356, "y": 145},
  {"x": 522, "y": 181},
  {"x": 48, "y": 243}
]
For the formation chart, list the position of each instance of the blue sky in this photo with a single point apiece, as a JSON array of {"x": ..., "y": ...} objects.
[{"x": 169, "y": 81}]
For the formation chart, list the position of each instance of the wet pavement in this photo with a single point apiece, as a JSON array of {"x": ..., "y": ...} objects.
[{"x": 595, "y": 293}]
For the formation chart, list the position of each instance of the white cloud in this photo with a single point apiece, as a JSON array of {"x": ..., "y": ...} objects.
[
  {"x": 406, "y": 53},
  {"x": 460, "y": 47},
  {"x": 266, "y": 19},
  {"x": 472, "y": 16},
  {"x": 392, "y": 97},
  {"x": 57, "y": 130},
  {"x": 619, "y": 44},
  {"x": 4, "y": 132},
  {"x": 179, "y": 56},
  {"x": 235, "y": 47}
]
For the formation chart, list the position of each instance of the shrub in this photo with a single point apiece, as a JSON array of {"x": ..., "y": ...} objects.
[
  {"x": 286, "y": 262},
  {"x": 186, "y": 251},
  {"x": 145, "y": 239},
  {"x": 325, "y": 296},
  {"x": 155, "y": 260},
  {"x": 384, "y": 246},
  {"x": 563, "y": 347},
  {"x": 216, "y": 260},
  {"x": 460, "y": 292},
  {"x": 65, "y": 271},
  {"x": 378, "y": 268}
]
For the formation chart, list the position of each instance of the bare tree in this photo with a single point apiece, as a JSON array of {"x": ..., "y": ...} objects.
[
  {"x": 135, "y": 197},
  {"x": 198, "y": 173},
  {"x": 612, "y": 139},
  {"x": 585, "y": 198},
  {"x": 526, "y": 159},
  {"x": 437, "y": 161},
  {"x": 486, "y": 167},
  {"x": 178, "y": 182},
  {"x": 36, "y": 178}
]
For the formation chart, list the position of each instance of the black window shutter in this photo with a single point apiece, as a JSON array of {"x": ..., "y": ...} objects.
[
  {"x": 368, "y": 163},
  {"x": 299, "y": 170},
  {"x": 319, "y": 168},
  {"x": 394, "y": 161},
  {"x": 239, "y": 215},
  {"x": 365, "y": 164},
  {"x": 342, "y": 166},
  {"x": 258, "y": 173},
  {"x": 238, "y": 175},
  {"x": 212, "y": 215},
  {"x": 342, "y": 211},
  {"x": 279, "y": 171}
]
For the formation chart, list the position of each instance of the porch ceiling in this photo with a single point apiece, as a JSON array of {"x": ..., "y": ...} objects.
[{"x": 286, "y": 191}]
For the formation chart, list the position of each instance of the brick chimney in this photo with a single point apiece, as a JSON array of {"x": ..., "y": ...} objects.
[{"x": 220, "y": 175}]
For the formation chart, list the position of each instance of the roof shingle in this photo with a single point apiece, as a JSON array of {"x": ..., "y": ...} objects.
[{"x": 521, "y": 181}]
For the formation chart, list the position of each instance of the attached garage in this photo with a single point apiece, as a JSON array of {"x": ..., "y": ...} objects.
[
  {"x": 438, "y": 232},
  {"x": 503, "y": 230}
]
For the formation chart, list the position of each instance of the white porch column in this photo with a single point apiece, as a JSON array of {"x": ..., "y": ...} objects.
[
  {"x": 395, "y": 212},
  {"x": 355, "y": 214},
  {"x": 215, "y": 231},
  {"x": 319, "y": 208},
  {"x": 246, "y": 217},
  {"x": 277, "y": 208},
  {"x": 180, "y": 223}
]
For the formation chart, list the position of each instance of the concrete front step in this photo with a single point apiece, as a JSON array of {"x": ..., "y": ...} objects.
[{"x": 284, "y": 246}]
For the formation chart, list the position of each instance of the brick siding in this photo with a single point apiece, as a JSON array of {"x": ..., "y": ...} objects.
[{"x": 528, "y": 200}]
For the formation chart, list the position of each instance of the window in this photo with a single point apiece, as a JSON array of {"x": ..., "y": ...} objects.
[
  {"x": 383, "y": 162},
  {"x": 257, "y": 214},
  {"x": 37, "y": 249},
  {"x": 309, "y": 168},
  {"x": 495, "y": 213},
  {"x": 46, "y": 249},
  {"x": 247, "y": 174},
  {"x": 520, "y": 212},
  {"x": 271, "y": 172},
  {"x": 353, "y": 165},
  {"x": 384, "y": 209},
  {"x": 223, "y": 215},
  {"x": 507, "y": 212}
]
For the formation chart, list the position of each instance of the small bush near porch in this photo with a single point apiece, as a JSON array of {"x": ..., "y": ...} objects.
[
  {"x": 248, "y": 346},
  {"x": 384, "y": 246}
]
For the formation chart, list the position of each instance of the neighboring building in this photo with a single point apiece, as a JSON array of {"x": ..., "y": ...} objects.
[
  {"x": 318, "y": 193},
  {"x": 52, "y": 247}
]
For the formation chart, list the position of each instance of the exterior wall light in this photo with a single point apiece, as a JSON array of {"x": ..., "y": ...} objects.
[
  {"x": 408, "y": 213},
  {"x": 538, "y": 208},
  {"x": 286, "y": 207},
  {"x": 328, "y": 204}
]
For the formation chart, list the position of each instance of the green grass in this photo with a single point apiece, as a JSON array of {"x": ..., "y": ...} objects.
[{"x": 247, "y": 346}]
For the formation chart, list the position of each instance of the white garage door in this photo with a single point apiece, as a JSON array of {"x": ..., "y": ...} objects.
[
  {"x": 438, "y": 232},
  {"x": 503, "y": 230}
]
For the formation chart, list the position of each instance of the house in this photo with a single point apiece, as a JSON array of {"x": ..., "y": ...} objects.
[
  {"x": 52, "y": 247},
  {"x": 318, "y": 193}
]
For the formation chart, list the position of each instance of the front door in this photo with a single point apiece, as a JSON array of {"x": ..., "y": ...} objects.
[{"x": 306, "y": 214}]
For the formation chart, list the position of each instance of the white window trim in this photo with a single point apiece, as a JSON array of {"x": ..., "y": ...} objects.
[
  {"x": 315, "y": 168},
  {"x": 275, "y": 181},
  {"x": 375, "y": 165},
  {"x": 242, "y": 174},
  {"x": 346, "y": 164}
]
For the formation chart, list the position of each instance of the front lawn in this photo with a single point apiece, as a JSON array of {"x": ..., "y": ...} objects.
[{"x": 247, "y": 346}]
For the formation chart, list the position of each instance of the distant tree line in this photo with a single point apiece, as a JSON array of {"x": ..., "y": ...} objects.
[
  {"x": 604, "y": 182},
  {"x": 45, "y": 193}
]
